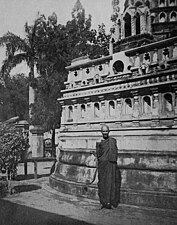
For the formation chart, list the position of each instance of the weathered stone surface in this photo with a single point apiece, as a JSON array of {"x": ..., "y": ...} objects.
[{"x": 133, "y": 91}]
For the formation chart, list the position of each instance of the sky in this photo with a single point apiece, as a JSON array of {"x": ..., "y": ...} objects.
[{"x": 15, "y": 13}]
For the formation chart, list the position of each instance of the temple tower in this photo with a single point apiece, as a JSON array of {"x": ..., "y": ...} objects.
[{"x": 134, "y": 91}]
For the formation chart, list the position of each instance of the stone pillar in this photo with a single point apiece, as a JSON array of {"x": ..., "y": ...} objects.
[
  {"x": 92, "y": 72},
  {"x": 136, "y": 108},
  {"x": 106, "y": 109},
  {"x": 137, "y": 60},
  {"x": 105, "y": 68},
  {"x": 102, "y": 100},
  {"x": 133, "y": 27},
  {"x": 37, "y": 139},
  {"x": 80, "y": 74},
  {"x": 110, "y": 47},
  {"x": 155, "y": 107},
  {"x": 122, "y": 29},
  {"x": 90, "y": 110},
  {"x": 142, "y": 24},
  {"x": 75, "y": 111},
  {"x": 63, "y": 115},
  {"x": 118, "y": 109},
  {"x": 149, "y": 24}
]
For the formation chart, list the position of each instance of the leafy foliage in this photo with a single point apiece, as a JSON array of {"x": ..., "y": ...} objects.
[
  {"x": 13, "y": 146},
  {"x": 14, "y": 98},
  {"x": 50, "y": 47},
  {"x": 51, "y": 51},
  {"x": 82, "y": 40}
]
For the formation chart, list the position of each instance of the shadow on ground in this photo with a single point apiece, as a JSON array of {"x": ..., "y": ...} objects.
[
  {"x": 26, "y": 188},
  {"x": 29, "y": 177},
  {"x": 14, "y": 214}
]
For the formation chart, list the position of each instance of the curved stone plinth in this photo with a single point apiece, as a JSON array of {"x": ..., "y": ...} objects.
[
  {"x": 147, "y": 178},
  {"x": 76, "y": 174},
  {"x": 73, "y": 188}
]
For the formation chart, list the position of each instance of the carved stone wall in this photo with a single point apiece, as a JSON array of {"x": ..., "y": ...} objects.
[{"x": 138, "y": 101}]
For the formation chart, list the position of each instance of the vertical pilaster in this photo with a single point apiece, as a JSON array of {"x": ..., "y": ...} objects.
[
  {"x": 63, "y": 116},
  {"x": 106, "y": 109},
  {"x": 136, "y": 108},
  {"x": 155, "y": 107},
  {"x": 110, "y": 47},
  {"x": 149, "y": 24},
  {"x": 118, "y": 109},
  {"x": 80, "y": 73},
  {"x": 75, "y": 111},
  {"x": 142, "y": 24},
  {"x": 133, "y": 27},
  {"x": 103, "y": 109},
  {"x": 89, "y": 114},
  {"x": 137, "y": 60},
  {"x": 90, "y": 110},
  {"x": 118, "y": 106}
]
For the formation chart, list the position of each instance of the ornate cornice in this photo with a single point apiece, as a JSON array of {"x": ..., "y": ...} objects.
[{"x": 151, "y": 81}]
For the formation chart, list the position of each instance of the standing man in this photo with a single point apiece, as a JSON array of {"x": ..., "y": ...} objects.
[{"x": 108, "y": 172}]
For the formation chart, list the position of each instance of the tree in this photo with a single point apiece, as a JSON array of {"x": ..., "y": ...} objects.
[
  {"x": 101, "y": 43},
  {"x": 13, "y": 145},
  {"x": 14, "y": 98},
  {"x": 52, "y": 52},
  {"x": 21, "y": 49},
  {"x": 82, "y": 40},
  {"x": 78, "y": 32},
  {"x": 58, "y": 46},
  {"x": 27, "y": 49}
]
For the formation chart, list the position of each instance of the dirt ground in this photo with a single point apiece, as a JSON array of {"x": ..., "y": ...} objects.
[{"x": 34, "y": 202}]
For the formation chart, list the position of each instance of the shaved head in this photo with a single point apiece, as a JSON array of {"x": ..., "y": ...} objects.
[
  {"x": 104, "y": 127},
  {"x": 105, "y": 131}
]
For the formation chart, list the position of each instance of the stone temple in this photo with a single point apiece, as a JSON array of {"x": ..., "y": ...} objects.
[{"x": 134, "y": 91}]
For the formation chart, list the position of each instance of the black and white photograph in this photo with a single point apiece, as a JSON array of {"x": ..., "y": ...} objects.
[{"x": 88, "y": 112}]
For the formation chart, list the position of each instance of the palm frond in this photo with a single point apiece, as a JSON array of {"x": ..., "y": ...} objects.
[
  {"x": 11, "y": 62},
  {"x": 13, "y": 43}
]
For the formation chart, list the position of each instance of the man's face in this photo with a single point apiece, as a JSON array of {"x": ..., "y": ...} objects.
[{"x": 105, "y": 132}]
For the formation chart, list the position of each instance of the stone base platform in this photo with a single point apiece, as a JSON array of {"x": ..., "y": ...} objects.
[{"x": 153, "y": 199}]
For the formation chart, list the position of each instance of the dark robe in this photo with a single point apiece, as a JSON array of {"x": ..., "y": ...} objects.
[{"x": 108, "y": 172}]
